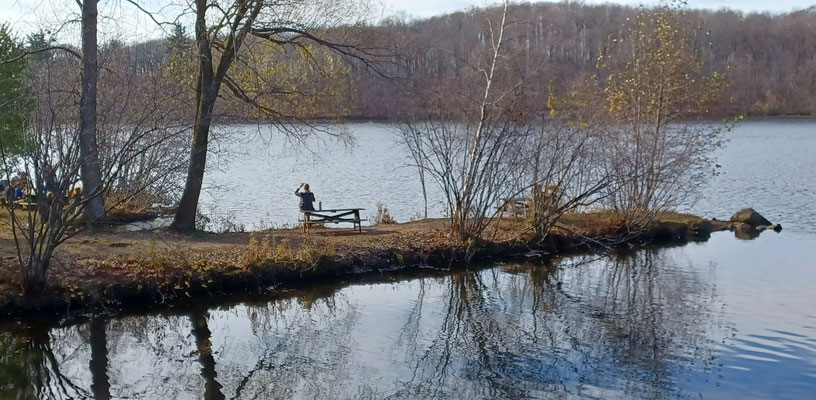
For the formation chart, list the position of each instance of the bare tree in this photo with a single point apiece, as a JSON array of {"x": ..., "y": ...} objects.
[
  {"x": 471, "y": 154},
  {"x": 568, "y": 170},
  {"x": 653, "y": 82},
  {"x": 140, "y": 103},
  {"x": 509, "y": 146},
  {"x": 53, "y": 204}
]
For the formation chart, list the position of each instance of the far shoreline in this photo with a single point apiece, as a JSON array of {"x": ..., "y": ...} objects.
[{"x": 351, "y": 119}]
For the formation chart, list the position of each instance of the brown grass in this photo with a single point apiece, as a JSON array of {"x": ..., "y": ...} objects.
[{"x": 97, "y": 268}]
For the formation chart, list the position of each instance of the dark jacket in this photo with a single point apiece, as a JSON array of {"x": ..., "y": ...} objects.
[{"x": 306, "y": 200}]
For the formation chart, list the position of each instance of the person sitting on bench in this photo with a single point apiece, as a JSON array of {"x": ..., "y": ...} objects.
[
  {"x": 10, "y": 192},
  {"x": 306, "y": 197}
]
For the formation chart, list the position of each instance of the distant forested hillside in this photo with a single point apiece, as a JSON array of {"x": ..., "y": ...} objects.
[{"x": 772, "y": 58}]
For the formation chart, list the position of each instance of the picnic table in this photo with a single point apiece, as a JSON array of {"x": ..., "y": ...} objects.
[{"x": 337, "y": 215}]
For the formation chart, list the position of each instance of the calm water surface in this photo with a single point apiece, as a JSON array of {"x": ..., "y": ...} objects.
[
  {"x": 766, "y": 164},
  {"x": 724, "y": 319},
  {"x": 252, "y": 181}
]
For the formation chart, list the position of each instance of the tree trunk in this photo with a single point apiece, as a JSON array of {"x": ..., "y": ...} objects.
[
  {"x": 207, "y": 87},
  {"x": 465, "y": 204},
  {"x": 188, "y": 205},
  {"x": 91, "y": 172},
  {"x": 424, "y": 193},
  {"x": 34, "y": 283}
]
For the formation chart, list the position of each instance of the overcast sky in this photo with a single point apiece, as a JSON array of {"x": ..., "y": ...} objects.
[{"x": 25, "y": 16}]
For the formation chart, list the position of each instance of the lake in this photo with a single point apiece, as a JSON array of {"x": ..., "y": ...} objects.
[
  {"x": 723, "y": 319},
  {"x": 252, "y": 178}
]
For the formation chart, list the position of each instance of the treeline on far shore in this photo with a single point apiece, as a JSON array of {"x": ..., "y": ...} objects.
[{"x": 769, "y": 59}]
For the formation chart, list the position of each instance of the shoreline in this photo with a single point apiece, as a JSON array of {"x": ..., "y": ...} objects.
[
  {"x": 358, "y": 119},
  {"x": 112, "y": 274}
]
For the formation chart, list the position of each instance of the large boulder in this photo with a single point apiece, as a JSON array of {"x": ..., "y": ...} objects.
[{"x": 751, "y": 217}]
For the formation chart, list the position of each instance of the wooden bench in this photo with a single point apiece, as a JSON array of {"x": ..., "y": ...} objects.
[
  {"x": 25, "y": 205},
  {"x": 337, "y": 215},
  {"x": 516, "y": 206},
  {"x": 21, "y": 203}
]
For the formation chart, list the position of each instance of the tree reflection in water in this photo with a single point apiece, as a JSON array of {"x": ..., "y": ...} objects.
[
  {"x": 618, "y": 326},
  {"x": 201, "y": 333},
  {"x": 610, "y": 327},
  {"x": 100, "y": 385},
  {"x": 294, "y": 347},
  {"x": 30, "y": 369}
]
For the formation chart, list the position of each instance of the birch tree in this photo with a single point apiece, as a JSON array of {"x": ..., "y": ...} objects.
[{"x": 473, "y": 154}]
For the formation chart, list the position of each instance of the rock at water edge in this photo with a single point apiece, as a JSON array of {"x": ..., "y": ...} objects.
[{"x": 751, "y": 217}]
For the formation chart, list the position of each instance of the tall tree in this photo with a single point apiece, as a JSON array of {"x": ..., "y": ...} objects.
[
  {"x": 223, "y": 28},
  {"x": 91, "y": 170},
  {"x": 472, "y": 149}
]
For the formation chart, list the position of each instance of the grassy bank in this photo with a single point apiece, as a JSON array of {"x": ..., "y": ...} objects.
[{"x": 108, "y": 271}]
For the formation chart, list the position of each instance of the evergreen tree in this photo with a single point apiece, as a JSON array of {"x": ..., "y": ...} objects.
[
  {"x": 178, "y": 39},
  {"x": 13, "y": 93},
  {"x": 37, "y": 41}
]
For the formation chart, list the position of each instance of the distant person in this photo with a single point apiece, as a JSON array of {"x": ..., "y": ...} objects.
[
  {"x": 10, "y": 194},
  {"x": 6, "y": 192},
  {"x": 22, "y": 178},
  {"x": 50, "y": 200},
  {"x": 75, "y": 199},
  {"x": 306, "y": 197},
  {"x": 20, "y": 186},
  {"x": 50, "y": 179}
]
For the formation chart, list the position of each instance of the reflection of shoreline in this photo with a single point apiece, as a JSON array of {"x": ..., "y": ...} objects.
[{"x": 610, "y": 325}]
